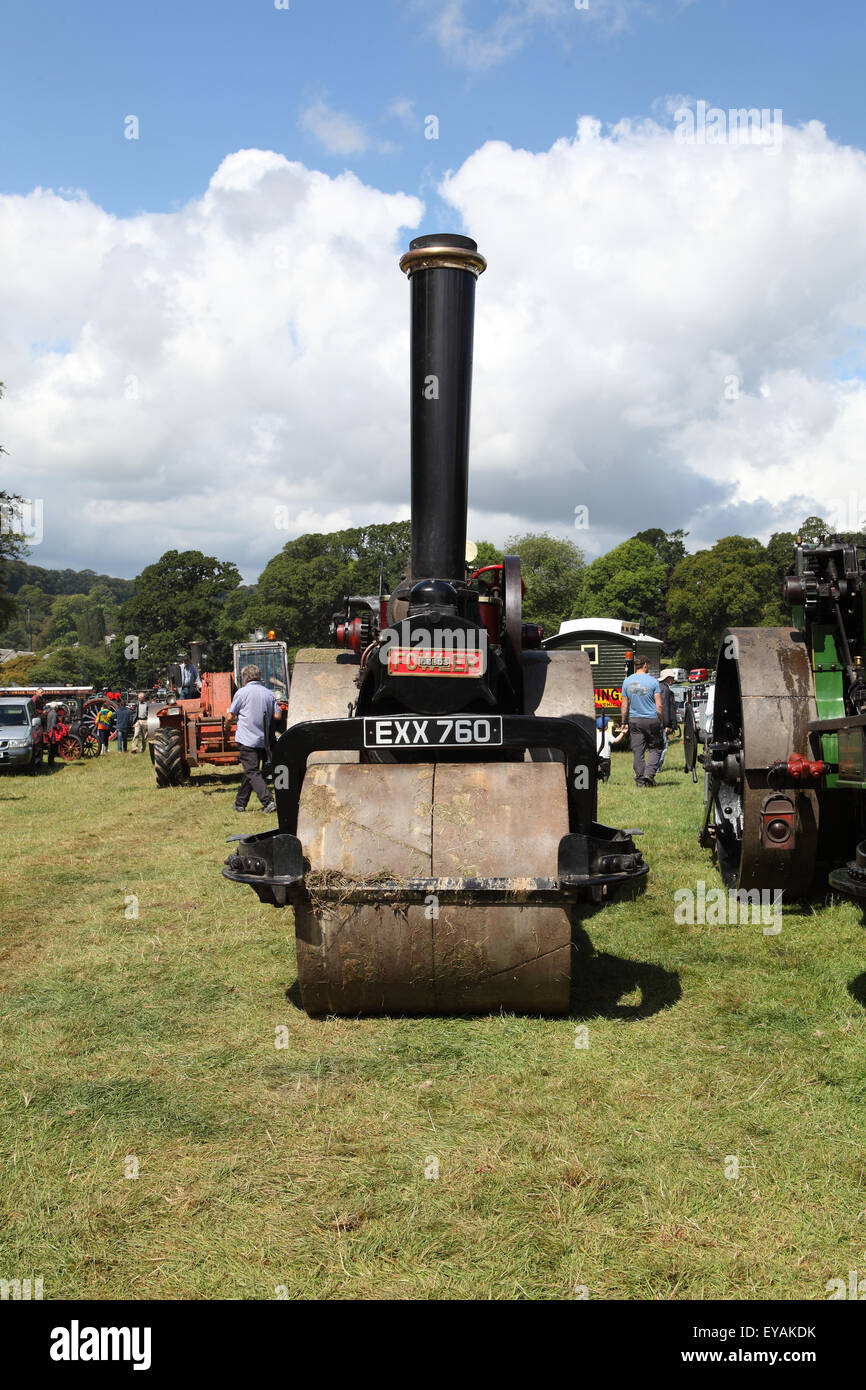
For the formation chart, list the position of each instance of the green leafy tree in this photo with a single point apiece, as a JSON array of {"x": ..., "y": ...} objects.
[
  {"x": 780, "y": 552},
  {"x": 780, "y": 555},
  {"x": 306, "y": 582},
  {"x": 813, "y": 528},
  {"x": 552, "y": 570},
  {"x": 234, "y": 621},
  {"x": 729, "y": 585},
  {"x": 178, "y": 600},
  {"x": 628, "y": 581},
  {"x": 66, "y": 581},
  {"x": 60, "y": 666},
  {"x": 669, "y": 546},
  {"x": 387, "y": 545},
  {"x": 67, "y": 612},
  {"x": 12, "y": 545},
  {"x": 488, "y": 554},
  {"x": 17, "y": 671}
]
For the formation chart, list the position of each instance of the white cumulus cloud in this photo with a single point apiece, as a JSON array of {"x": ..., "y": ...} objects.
[{"x": 667, "y": 334}]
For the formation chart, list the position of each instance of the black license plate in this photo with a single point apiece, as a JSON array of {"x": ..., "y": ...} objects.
[{"x": 434, "y": 731}]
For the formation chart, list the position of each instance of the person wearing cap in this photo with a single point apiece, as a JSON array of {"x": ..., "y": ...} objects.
[
  {"x": 606, "y": 738},
  {"x": 670, "y": 718}
]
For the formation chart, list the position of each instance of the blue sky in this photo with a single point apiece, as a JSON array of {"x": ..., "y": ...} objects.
[{"x": 206, "y": 77}]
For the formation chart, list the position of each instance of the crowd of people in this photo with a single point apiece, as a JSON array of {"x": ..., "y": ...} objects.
[
  {"x": 648, "y": 715},
  {"x": 254, "y": 706},
  {"x": 123, "y": 718}
]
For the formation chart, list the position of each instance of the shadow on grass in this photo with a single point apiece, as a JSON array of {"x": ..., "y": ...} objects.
[
  {"x": 857, "y": 989},
  {"x": 599, "y": 982},
  {"x": 226, "y": 779}
]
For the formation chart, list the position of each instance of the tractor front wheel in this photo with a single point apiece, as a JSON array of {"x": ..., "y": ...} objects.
[{"x": 168, "y": 760}]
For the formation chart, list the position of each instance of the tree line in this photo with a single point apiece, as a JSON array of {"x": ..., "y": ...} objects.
[{"x": 95, "y": 629}]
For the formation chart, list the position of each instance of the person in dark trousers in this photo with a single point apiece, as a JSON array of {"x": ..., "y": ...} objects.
[
  {"x": 53, "y": 725},
  {"x": 123, "y": 725},
  {"x": 189, "y": 681},
  {"x": 670, "y": 718},
  {"x": 255, "y": 706},
  {"x": 642, "y": 718},
  {"x": 104, "y": 722}
]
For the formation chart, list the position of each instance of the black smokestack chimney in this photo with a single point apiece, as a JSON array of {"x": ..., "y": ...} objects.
[{"x": 442, "y": 270}]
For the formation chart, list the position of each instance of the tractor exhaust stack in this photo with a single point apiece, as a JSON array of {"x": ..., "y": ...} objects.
[{"x": 442, "y": 270}]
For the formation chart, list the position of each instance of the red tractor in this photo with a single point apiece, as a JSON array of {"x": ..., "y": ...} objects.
[{"x": 186, "y": 733}]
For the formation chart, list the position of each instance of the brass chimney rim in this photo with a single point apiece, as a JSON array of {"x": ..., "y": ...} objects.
[{"x": 443, "y": 257}]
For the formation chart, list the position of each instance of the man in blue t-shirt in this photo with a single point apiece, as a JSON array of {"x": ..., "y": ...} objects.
[{"x": 642, "y": 717}]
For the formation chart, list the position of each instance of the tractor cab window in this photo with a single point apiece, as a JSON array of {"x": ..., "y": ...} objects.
[{"x": 271, "y": 661}]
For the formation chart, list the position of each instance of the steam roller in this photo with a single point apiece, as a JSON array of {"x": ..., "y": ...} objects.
[
  {"x": 786, "y": 758},
  {"x": 436, "y": 782}
]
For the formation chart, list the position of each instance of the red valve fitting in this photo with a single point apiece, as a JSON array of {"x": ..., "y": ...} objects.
[{"x": 796, "y": 769}]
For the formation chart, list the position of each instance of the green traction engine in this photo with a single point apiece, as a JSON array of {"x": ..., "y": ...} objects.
[{"x": 786, "y": 757}]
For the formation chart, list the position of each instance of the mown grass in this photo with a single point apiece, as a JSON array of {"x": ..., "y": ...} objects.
[{"x": 302, "y": 1170}]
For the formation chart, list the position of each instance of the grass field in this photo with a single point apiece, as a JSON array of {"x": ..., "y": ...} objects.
[{"x": 301, "y": 1171}]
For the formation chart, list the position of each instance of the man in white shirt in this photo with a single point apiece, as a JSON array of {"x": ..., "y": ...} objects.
[{"x": 139, "y": 728}]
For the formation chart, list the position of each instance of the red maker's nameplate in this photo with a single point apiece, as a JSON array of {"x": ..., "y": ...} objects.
[{"x": 419, "y": 661}]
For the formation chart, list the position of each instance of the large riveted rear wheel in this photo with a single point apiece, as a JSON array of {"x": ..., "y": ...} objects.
[
  {"x": 763, "y": 703},
  {"x": 168, "y": 759}
]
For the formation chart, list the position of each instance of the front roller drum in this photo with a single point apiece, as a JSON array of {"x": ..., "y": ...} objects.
[{"x": 379, "y": 822}]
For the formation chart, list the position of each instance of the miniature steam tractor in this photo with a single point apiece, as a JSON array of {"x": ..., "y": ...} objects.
[
  {"x": 786, "y": 759},
  {"x": 436, "y": 782}
]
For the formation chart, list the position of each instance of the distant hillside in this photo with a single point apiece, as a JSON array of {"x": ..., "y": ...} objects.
[{"x": 54, "y": 582}]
